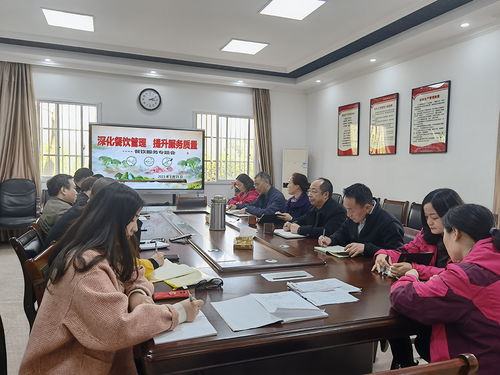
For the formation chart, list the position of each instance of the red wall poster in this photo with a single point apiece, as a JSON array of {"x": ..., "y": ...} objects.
[
  {"x": 383, "y": 124},
  {"x": 348, "y": 131},
  {"x": 429, "y": 118}
]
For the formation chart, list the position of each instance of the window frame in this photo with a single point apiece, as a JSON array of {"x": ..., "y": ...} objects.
[
  {"x": 256, "y": 161},
  {"x": 40, "y": 129}
]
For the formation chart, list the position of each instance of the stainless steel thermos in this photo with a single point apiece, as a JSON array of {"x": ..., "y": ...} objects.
[{"x": 218, "y": 213}]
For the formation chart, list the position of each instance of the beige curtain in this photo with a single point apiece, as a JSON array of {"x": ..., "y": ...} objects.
[
  {"x": 496, "y": 196},
  {"x": 262, "y": 119},
  {"x": 18, "y": 125}
]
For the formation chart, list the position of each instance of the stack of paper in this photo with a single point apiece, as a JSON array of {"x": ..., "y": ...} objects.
[
  {"x": 325, "y": 292},
  {"x": 258, "y": 310},
  {"x": 237, "y": 213},
  {"x": 287, "y": 235},
  {"x": 200, "y": 327},
  {"x": 177, "y": 275},
  {"x": 336, "y": 251}
]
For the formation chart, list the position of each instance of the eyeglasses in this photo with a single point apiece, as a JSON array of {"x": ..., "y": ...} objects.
[{"x": 214, "y": 283}]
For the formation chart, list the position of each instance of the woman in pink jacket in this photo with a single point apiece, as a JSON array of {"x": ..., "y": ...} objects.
[
  {"x": 98, "y": 304},
  {"x": 462, "y": 303},
  {"x": 247, "y": 192},
  {"x": 430, "y": 239}
]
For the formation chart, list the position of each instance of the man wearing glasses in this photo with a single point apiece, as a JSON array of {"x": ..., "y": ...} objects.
[{"x": 325, "y": 215}]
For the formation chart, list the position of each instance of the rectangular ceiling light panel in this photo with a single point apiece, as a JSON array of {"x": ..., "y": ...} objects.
[
  {"x": 69, "y": 20},
  {"x": 294, "y": 9},
  {"x": 243, "y": 46}
]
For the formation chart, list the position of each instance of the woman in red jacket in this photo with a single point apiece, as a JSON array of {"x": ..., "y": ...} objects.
[
  {"x": 462, "y": 303},
  {"x": 247, "y": 192},
  {"x": 430, "y": 239}
]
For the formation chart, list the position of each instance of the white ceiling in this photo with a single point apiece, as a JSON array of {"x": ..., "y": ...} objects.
[{"x": 195, "y": 30}]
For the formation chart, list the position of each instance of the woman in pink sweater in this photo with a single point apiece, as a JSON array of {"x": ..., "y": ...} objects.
[
  {"x": 430, "y": 239},
  {"x": 98, "y": 304},
  {"x": 462, "y": 303}
]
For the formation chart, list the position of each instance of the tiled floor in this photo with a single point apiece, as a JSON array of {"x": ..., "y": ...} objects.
[{"x": 17, "y": 328}]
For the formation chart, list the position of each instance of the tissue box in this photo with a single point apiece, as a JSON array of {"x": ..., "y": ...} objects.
[{"x": 243, "y": 243}]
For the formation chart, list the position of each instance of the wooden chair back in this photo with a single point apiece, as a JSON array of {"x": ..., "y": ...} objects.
[
  {"x": 464, "y": 364},
  {"x": 36, "y": 269},
  {"x": 27, "y": 246},
  {"x": 397, "y": 208},
  {"x": 414, "y": 219}
]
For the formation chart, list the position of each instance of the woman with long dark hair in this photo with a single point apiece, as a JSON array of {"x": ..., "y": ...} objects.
[
  {"x": 462, "y": 303},
  {"x": 298, "y": 204},
  {"x": 430, "y": 239},
  {"x": 98, "y": 304},
  {"x": 246, "y": 191}
]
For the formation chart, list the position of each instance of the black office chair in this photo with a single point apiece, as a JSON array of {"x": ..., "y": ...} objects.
[
  {"x": 338, "y": 198},
  {"x": 17, "y": 203},
  {"x": 415, "y": 216}
]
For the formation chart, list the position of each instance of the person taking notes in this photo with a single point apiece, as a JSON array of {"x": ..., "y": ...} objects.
[{"x": 368, "y": 228}]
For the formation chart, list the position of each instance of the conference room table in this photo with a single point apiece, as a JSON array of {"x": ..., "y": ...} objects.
[{"x": 342, "y": 343}]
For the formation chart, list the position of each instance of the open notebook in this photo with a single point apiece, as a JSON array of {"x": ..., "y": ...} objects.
[
  {"x": 336, "y": 251},
  {"x": 258, "y": 310},
  {"x": 287, "y": 235},
  {"x": 200, "y": 327}
]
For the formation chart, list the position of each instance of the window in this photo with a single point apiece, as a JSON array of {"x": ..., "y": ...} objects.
[
  {"x": 64, "y": 136},
  {"x": 229, "y": 146}
]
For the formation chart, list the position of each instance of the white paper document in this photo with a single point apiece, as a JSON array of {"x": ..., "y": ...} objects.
[
  {"x": 287, "y": 235},
  {"x": 258, "y": 310},
  {"x": 200, "y": 327},
  {"x": 329, "y": 298},
  {"x": 291, "y": 275},
  {"x": 171, "y": 270},
  {"x": 324, "y": 285}
]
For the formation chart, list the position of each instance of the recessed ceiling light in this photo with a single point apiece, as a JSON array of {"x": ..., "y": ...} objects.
[
  {"x": 373, "y": 60},
  {"x": 152, "y": 72},
  {"x": 240, "y": 81},
  {"x": 69, "y": 20},
  {"x": 294, "y": 9},
  {"x": 48, "y": 60},
  {"x": 243, "y": 46},
  {"x": 465, "y": 24},
  {"x": 318, "y": 81}
]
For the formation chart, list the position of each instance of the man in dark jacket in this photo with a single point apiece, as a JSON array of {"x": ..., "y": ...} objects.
[
  {"x": 325, "y": 215},
  {"x": 270, "y": 199},
  {"x": 368, "y": 228}
]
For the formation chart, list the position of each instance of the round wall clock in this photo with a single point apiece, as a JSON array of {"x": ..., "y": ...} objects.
[{"x": 149, "y": 99}]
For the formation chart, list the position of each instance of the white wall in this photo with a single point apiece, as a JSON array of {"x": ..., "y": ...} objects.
[
  {"x": 468, "y": 167},
  {"x": 117, "y": 97}
]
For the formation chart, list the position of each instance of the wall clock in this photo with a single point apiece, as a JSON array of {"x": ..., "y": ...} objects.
[{"x": 149, "y": 99}]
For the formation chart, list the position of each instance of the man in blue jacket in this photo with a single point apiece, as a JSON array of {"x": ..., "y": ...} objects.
[{"x": 270, "y": 199}]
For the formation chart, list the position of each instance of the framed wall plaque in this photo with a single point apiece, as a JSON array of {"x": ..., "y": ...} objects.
[
  {"x": 348, "y": 131},
  {"x": 429, "y": 118},
  {"x": 383, "y": 124}
]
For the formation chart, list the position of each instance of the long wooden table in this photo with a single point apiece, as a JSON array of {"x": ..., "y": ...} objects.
[{"x": 341, "y": 343}]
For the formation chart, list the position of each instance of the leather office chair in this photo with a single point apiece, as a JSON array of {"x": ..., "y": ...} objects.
[
  {"x": 3, "y": 350},
  {"x": 414, "y": 219},
  {"x": 27, "y": 246},
  {"x": 464, "y": 364},
  {"x": 397, "y": 208},
  {"x": 337, "y": 197},
  {"x": 17, "y": 203},
  {"x": 36, "y": 269},
  {"x": 409, "y": 234}
]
